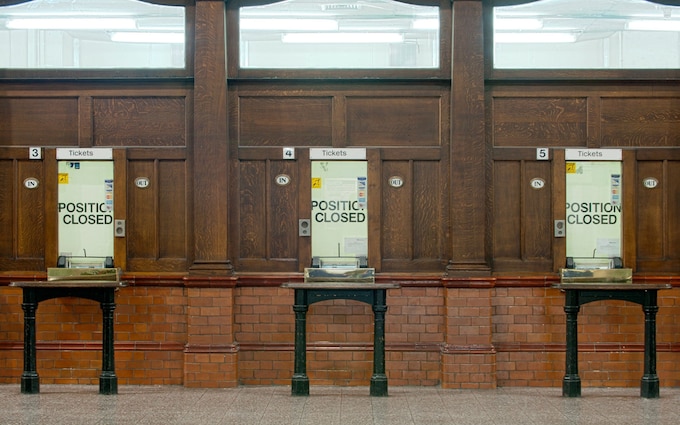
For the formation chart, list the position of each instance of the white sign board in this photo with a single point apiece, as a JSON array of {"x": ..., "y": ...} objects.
[
  {"x": 339, "y": 209},
  {"x": 593, "y": 209},
  {"x": 330, "y": 154},
  {"x": 593, "y": 154},
  {"x": 85, "y": 208},
  {"x": 78, "y": 154}
]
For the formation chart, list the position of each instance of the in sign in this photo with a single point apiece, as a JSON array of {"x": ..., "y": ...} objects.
[
  {"x": 282, "y": 179},
  {"x": 396, "y": 181},
  {"x": 31, "y": 183},
  {"x": 650, "y": 182},
  {"x": 537, "y": 183}
]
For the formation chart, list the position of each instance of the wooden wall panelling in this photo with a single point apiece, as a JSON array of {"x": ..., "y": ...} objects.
[
  {"x": 507, "y": 212},
  {"x": 394, "y": 120},
  {"x": 157, "y": 217},
  {"x": 397, "y": 215},
  {"x": 30, "y": 209},
  {"x": 282, "y": 217},
  {"x": 522, "y": 236},
  {"x": 142, "y": 204},
  {"x": 640, "y": 120},
  {"x": 537, "y": 223},
  {"x": 86, "y": 122},
  {"x": 22, "y": 223},
  {"x": 266, "y": 220},
  {"x": 657, "y": 211},
  {"x": 414, "y": 219},
  {"x": 397, "y": 123},
  {"x": 559, "y": 204},
  {"x": 138, "y": 120},
  {"x": 523, "y": 120},
  {"x": 29, "y": 119},
  {"x": 51, "y": 202},
  {"x": 172, "y": 210},
  {"x": 7, "y": 212},
  {"x": 629, "y": 211},
  {"x": 283, "y": 119},
  {"x": 120, "y": 178}
]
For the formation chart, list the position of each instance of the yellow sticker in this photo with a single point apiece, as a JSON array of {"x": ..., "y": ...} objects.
[
  {"x": 316, "y": 182},
  {"x": 571, "y": 168},
  {"x": 63, "y": 178}
]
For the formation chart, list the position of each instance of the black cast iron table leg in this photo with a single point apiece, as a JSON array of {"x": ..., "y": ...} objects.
[
  {"x": 300, "y": 383},
  {"x": 649, "y": 385},
  {"x": 30, "y": 381},
  {"x": 379, "y": 378},
  {"x": 108, "y": 382},
  {"x": 571, "y": 384}
]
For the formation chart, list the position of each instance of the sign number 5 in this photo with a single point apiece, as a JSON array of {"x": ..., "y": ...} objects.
[
  {"x": 34, "y": 153},
  {"x": 542, "y": 154}
]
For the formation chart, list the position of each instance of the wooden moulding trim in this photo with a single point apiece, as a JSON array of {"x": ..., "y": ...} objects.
[
  {"x": 406, "y": 280},
  {"x": 268, "y": 280},
  {"x": 526, "y": 281},
  {"x": 154, "y": 279},
  {"x": 210, "y": 281},
  {"x": 468, "y": 282}
]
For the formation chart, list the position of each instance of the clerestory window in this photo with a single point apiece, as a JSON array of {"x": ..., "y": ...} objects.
[
  {"x": 331, "y": 34},
  {"x": 92, "y": 34},
  {"x": 587, "y": 34}
]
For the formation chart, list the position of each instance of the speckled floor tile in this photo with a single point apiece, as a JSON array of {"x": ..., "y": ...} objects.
[{"x": 173, "y": 405}]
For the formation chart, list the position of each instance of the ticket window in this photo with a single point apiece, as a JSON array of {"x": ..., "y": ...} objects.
[
  {"x": 593, "y": 219},
  {"x": 339, "y": 220},
  {"x": 85, "y": 213}
]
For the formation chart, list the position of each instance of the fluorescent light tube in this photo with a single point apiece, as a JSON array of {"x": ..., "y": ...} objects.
[
  {"x": 534, "y": 37},
  {"x": 343, "y": 37},
  {"x": 288, "y": 24},
  {"x": 425, "y": 24},
  {"x": 517, "y": 24},
  {"x": 72, "y": 23},
  {"x": 148, "y": 37},
  {"x": 653, "y": 25}
]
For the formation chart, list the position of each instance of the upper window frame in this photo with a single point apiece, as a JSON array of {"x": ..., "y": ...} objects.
[
  {"x": 442, "y": 72},
  {"x": 116, "y": 73},
  {"x": 528, "y": 74}
]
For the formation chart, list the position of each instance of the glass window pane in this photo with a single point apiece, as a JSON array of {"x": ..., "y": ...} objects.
[
  {"x": 311, "y": 34},
  {"x": 588, "y": 34},
  {"x": 91, "y": 34}
]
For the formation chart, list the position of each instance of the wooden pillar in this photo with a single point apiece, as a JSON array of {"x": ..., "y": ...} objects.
[
  {"x": 210, "y": 144},
  {"x": 468, "y": 147}
]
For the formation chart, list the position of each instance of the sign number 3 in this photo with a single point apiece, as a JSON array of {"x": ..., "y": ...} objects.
[{"x": 34, "y": 153}]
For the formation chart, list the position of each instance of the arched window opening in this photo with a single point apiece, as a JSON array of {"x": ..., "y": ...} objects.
[
  {"x": 92, "y": 34},
  {"x": 587, "y": 34},
  {"x": 367, "y": 34}
]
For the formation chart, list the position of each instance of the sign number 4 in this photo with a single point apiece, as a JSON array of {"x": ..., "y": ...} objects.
[
  {"x": 542, "y": 154},
  {"x": 34, "y": 153}
]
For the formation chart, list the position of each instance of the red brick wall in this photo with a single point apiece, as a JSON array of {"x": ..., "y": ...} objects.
[{"x": 457, "y": 333}]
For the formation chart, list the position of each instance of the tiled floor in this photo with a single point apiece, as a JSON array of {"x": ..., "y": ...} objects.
[{"x": 66, "y": 404}]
